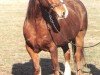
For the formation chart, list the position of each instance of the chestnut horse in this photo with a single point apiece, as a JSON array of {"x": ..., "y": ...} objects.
[{"x": 50, "y": 24}]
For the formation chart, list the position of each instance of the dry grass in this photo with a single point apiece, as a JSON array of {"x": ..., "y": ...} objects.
[{"x": 14, "y": 60}]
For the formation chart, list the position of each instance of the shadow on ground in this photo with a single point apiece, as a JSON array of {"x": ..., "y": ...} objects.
[
  {"x": 93, "y": 69},
  {"x": 27, "y": 68}
]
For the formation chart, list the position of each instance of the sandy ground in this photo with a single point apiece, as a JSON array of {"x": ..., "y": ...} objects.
[{"x": 14, "y": 60}]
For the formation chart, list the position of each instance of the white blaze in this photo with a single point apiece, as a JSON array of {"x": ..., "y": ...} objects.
[
  {"x": 67, "y": 69},
  {"x": 66, "y": 10}
]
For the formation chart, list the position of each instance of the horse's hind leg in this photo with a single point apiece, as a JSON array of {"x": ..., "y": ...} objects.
[
  {"x": 79, "y": 55},
  {"x": 35, "y": 60},
  {"x": 67, "y": 59}
]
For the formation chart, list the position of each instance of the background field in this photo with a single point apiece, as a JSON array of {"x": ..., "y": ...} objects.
[{"x": 14, "y": 60}]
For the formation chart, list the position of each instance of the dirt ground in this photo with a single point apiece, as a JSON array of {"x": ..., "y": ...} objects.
[{"x": 14, "y": 60}]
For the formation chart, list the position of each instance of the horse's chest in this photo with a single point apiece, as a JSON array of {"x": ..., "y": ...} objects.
[
  {"x": 43, "y": 37},
  {"x": 42, "y": 41}
]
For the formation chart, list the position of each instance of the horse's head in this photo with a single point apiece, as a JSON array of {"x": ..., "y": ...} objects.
[{"x": 57, "y": 6}]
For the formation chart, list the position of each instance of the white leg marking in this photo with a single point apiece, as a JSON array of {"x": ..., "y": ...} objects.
[
  {"x": 67, "y": 69},
  {"x": 40, "y": 71}
]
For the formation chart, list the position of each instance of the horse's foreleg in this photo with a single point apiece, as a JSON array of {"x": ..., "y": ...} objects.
[
  {"x": 54, "y": 58},
  {"x": 79, "y": 56},
  {"x": 35, "y": 59},
  {"x": 66, "y": 51}
]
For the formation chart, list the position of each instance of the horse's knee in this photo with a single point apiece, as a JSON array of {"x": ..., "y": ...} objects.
[{"x": 53, "y": 49}]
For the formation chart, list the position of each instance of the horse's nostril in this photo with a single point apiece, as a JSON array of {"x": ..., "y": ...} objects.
[{"x": 63, "y": 13}]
